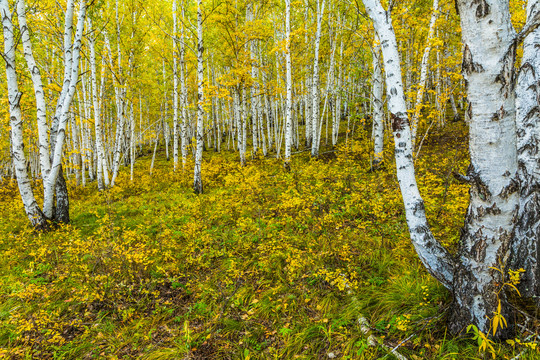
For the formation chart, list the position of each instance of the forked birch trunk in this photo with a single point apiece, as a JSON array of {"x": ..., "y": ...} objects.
[{"x": 50, "y": 183}]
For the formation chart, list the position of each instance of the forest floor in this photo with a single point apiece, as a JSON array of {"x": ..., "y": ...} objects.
[{"x": 266, "y": 264}]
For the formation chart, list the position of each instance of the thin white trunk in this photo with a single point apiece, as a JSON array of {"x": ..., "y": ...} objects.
[
  {"x": 432, "y": 254},
  {"x": 308, "y": 79},
  {"x": 36, "y": 217},
  {"x": 315, "y": 85},
  {"x": 41, "y": 107},
  {"x": 102, "y": 173},
  {"x": 378, "y": 111},
  {"x": 175, "y": 89},
  {"x": 197, "y": 178},
  {"x": 288, "y": 85},
  {"x": 183, "y": 94},
  {"x": 424, "y": 69},
  {"x": 525, "y": 250},
  {"x": 50, "y": 181}
]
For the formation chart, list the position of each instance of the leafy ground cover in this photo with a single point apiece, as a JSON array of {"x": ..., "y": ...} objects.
[{"x": 267, "y": 264}]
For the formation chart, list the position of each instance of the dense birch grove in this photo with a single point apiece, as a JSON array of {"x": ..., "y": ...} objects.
[{"x": 91, "y": 88}]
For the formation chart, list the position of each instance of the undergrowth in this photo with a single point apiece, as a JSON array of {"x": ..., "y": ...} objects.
[{"x": 267, "y": 264}]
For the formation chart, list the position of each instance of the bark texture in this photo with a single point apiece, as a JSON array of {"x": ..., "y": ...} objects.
[
  {"x": 488, "y": 68},
  {"x": 527, "y": 233}
]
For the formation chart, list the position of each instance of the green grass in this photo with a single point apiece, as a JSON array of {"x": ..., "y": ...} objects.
[{"x": 266, "y": 264}]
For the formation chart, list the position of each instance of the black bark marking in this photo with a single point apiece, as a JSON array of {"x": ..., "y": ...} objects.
[
  {"x": 493, "y": 210},
  {"x": 527, "y": 66},
  {"x": 507, "y": 77},
  {"x": 469, "y": 111},
  {"x": 419, "y": 208},
  {"x": 478, "y": 185},
  {"x": 535, "y": 110},
  {"x": 510, "y": 189},
  {"x": 398, "y": 122},
  {"x": 482, "y": 9},
  {"x": 469, "y": 66},
  {"x": 478, "y": 250},
  {"x": 499, "y": 114}
]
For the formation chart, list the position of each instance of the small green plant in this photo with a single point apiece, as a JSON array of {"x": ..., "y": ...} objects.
[{"x": 484, "y": 343}]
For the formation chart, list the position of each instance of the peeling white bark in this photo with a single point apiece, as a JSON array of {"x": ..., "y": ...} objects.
[{"x": 488, "y": 68}]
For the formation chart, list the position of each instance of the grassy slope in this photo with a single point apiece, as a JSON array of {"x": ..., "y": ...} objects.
[{"x": 265, "y": 264}]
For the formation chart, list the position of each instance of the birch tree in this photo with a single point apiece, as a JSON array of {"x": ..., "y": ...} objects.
[
  {"x": 183, "y": 93},
  {"x": 102, "y": 170},
  {"x": 315, "y": 127},
  {"x": 527, "y": 233},
  {"x": 33, "y": 212},
  {"x": 488, "y": 65},
  {"x": 197, "y": 179},
  {"x": 288, "y": 104},
  {"x": 35, "y": 73},
  {"x": 71, "y": 77},
  {"x": 424, "y": 70},
  {"x": 378, "y": 113}
]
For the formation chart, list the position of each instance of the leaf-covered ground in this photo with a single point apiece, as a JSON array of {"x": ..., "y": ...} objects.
[{"x": 267, "y": 264}]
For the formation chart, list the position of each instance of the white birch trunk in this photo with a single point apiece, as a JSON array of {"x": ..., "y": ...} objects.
[
  {"x": 288, "y": 85},
  {"x": 315, "y": 85},
  {"x": 488, "y": 68},
  {"x": 424, "y": 69},
  {"x": 183, "y": 95},
  {"x": 50, "y": 181},
  {"x": 434, "y": 257},
  {"x": 36, "y": 217},
  {"x": 175, "y": 89},
  {"x": 525, "y": 250},
  {"x": 41, "y": 107},
  {"x": 197, "y": 178},
  {"x": 378, "y": 111},
  {"x": 308, "y": 101},
  {"x": 102, "y": 172}
]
